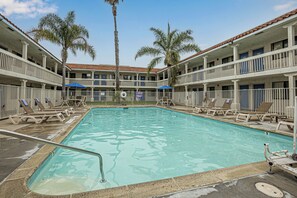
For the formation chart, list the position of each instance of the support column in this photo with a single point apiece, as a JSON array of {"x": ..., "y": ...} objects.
[
  {"x": 291, "y": 90},
  {"x": 92, "y": 94},
  {"x": 44, "y": 60},
  {"x": 92, "y": 77},
  {"x": 42, "y": 99},
  {"x": 56, "y": 68},
  {"x": 204, "y": 67},
  {"x": 67, "y": 89},
  {"x": 54, "y": 100},
  {"x": 236, "y": 102},
  {"x": 157, "y": 95},
  {"x": 235, "y": 56},
  {"x": 186, "y": 95},
  {"x": 163, "y": 79},
  {"x": 25, "y": 50},
  {"x": 291, "y": 43},
  {"x": 205, "y": 96},
  {"x": 186, "y": 68},
  {"x": 23, "y": 89}
]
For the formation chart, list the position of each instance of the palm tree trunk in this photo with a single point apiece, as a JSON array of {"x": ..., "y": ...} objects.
[
  {"x": 117, "y": 59},
  {"x": 63, "y": 74}
]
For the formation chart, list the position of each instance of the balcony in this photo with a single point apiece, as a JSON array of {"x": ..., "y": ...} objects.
[
  {"x": 111, "y": 83},
  {"x": 14, "y": 66},
  {"x": 275, "y": 62}
]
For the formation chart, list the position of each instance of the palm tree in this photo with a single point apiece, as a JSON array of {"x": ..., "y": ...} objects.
[
  {"x": 114, "y": 4},
  {"x": 65, "y": 33},
  {"x": 168, "y": 47}
]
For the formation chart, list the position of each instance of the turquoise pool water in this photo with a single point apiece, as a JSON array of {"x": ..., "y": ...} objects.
[{"x": 146, "y": 144}]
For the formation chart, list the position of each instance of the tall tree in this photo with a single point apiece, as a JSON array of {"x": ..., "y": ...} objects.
[
  {"x": 65, "y": 33},
  {"x": 168, "y": 47},
  {"x": 114, "y": 4}
]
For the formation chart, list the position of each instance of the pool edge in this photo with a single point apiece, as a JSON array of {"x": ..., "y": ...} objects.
[{"x": 16, "y": 183}]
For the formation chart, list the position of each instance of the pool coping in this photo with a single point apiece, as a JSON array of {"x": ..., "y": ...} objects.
[{"x": 15, "y": 185}]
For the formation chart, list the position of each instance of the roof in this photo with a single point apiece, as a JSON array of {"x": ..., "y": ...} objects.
[
  {"x": 29, "y": 37},
  {"x": 101, "y": 67},
  {"x": 259, "y": 27}
]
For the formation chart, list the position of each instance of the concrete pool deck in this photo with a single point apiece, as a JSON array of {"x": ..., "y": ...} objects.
[{"x": 15, "y": 163}]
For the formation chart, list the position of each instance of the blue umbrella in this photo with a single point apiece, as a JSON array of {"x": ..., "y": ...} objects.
[
  {"x": 165, "y": 87},
  {"x": 75, "y": 85}
]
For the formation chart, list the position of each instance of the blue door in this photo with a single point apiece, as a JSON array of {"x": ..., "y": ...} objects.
[
  {"x": 244, "y": 97},
  {"x": 103, "y": 76},
  {"x": 259, "y": 95},
  {"x": 142, "y": 78},
  {"x": 259, "y": 62},
  {"x": 244, "y": 66},
  {"x": 96, "y": 82}
]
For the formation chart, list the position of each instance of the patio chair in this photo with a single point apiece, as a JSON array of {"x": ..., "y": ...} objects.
[
  {"x": 260, "y": 113},
  {"x": 220, "y": 110},
  {"x": 201, "y": 109},
  {"x": 42, "y": 108},
  {"x": 82, "y": 102},
  {"x": 52, "y": 106},
  {"x": 17, "y": 118},
  {"x": 45, "y": 115},
  {"x": 288, "y": 122}
]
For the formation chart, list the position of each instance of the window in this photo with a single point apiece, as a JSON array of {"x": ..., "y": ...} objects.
[
  {"x": 86, "y": 75},
  {"x": 194, "y": 69},
  {"x": 227, "y": 60},
  {"x": 72, "y": 75},
  {"x": 153, "y": 78},
  {"x": 151, "y": 93},
  {"x": 280, "y": 90},
  {"x": 127, "y": 77},
  {"x": 84, "y": 92},
  {"x": 227, "y": 91},
  {"x": 279, "y": 45}
]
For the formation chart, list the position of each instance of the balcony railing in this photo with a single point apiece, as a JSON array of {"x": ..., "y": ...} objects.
[
  {"x": 111, "y": 83},
  {"x": 269, "y": 62},
  {"x": 162, "y": 82},
  {"x": 26, "y": 69}
]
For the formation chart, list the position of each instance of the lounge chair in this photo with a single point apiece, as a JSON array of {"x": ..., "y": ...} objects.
[
  {"x": 52, "y": 106},
  {"x": 220, "y": 110},
  {"x": 44, "y": 115},
  {"x": 17, "y": 118},
  {"x": 281, "y": 159},
  {"x": 260, "y": 113},
  {"x": 82, "y": 102},
  {"x": 42, "y": 108},
  {"x": 288, "y": 122},
  {"x": 210, "y": 105}
]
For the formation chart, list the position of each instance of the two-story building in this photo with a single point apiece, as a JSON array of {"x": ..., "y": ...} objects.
[
  {"x": 100, "y": 82},
  {"x": 256, "y": 65}
]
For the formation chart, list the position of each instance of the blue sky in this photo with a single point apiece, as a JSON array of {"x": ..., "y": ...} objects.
[{"x": 211, "y": 20}]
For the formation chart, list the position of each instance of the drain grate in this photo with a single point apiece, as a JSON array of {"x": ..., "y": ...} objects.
[{"x": 269, "y": 190}]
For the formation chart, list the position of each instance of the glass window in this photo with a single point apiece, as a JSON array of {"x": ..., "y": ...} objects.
[
  {"x": 72, "y": 75},
  {"x": 227, "y": 91},
  {"x": 280, "y": 90}
]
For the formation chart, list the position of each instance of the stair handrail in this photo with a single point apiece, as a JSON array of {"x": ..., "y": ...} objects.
[{"x": 43, "y": 141}]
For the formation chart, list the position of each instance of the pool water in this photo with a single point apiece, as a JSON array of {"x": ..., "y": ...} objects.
[{"x": 147, "y": 144}]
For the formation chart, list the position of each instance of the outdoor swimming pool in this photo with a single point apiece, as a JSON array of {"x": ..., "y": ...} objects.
[{"x": 146, "y": 144}]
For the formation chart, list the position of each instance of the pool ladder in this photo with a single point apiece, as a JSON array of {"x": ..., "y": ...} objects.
[{"x": 42, "y": 141}]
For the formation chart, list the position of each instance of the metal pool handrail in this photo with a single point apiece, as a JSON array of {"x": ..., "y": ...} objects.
[{"x": 39, "y": 140}]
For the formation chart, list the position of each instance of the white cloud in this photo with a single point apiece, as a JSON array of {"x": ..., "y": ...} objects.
[
  {"x": 286, "y": 6},
  {"x": 28, "y": 8}
]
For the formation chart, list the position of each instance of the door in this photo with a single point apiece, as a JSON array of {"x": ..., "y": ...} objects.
[
  {"x": 259, "y": 62},
  {"x": 96, "y": 82},
  {"x": 103, "y": 76},
  {"x": 259, "y": 95},
  {"x": 200, "y": 74},
  {"x": 244, "y": 97},
  {"x": 96, "y": 95},
  {"x": 244, "y": 66},
  {"x": 142, "y": 78}
]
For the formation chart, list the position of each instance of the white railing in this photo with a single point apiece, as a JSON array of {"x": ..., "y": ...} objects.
[
  {"x": 248, "y": 99},
  {"x": 162, "y": 82},
  {"x": 9, "y": 96},
  {"x": 278, "y": 59},
  {"x": 111, "y": 82},
  {"x": 27, "y": 69}
]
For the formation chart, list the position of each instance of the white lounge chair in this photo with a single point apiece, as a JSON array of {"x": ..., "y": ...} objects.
[
  {"x": 210, "y": 105},
  {"x": 220, "y": 110},
  {"x": 260, "y": 113}
]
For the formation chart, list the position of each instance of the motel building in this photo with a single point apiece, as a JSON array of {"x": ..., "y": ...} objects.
[{"x": 255, "y": 66}]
